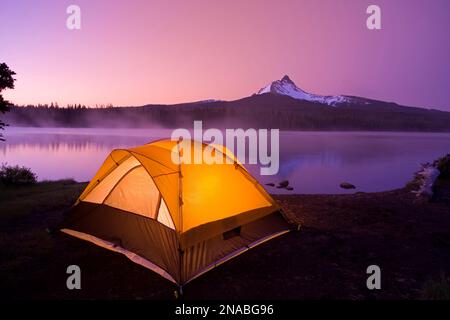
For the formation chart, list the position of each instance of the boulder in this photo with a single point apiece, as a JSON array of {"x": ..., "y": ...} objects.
[
  {"x": 283, "y": 184},
  {"x": 347, "y": 185}
]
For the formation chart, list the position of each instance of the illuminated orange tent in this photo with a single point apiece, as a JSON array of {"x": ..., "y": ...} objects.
[{"x": 179, "y": 220}]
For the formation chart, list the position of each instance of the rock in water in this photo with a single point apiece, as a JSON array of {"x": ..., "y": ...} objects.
[
  {"x": 346, "y": 185},
  {"x": 270, "y": 184},
  {"x": 283, "y": 184}
]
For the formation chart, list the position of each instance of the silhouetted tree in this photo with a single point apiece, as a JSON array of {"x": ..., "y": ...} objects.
[{"x": 6, "y": 82}]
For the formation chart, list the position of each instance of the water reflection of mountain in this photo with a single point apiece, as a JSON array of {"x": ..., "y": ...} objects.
[
  {"x": 330, "y": 150},
  {"x": 295, "y": 148},
  {"x": 357, "y": 147},
  {"x": 314, "y": 162}
]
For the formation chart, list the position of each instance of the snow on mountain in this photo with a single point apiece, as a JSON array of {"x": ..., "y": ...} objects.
[{"x": 287, "y": 87}]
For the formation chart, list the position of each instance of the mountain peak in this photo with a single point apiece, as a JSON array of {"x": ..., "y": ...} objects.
[
  {"x": 286, "y": 79},
  {"x": 287, "y": 87}
]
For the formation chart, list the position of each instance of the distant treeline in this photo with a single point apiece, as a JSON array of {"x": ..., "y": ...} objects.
[
  {"x": 55, "y": 105},
  {"x": 258, "y": 111}
]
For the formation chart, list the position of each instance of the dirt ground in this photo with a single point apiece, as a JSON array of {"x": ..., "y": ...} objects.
[{"x": 341, "y": 235}]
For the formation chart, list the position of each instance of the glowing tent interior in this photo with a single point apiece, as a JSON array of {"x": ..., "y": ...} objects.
[{"x": 177, "y": 219}]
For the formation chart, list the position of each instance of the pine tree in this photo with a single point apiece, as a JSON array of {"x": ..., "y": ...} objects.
[{"x": 6, "y": 82}]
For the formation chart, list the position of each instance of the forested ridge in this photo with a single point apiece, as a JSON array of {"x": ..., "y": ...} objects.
[{"x": 258, "y": 111}]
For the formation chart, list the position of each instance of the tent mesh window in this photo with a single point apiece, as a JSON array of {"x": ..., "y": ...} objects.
[{"x": 236, "y": 232}]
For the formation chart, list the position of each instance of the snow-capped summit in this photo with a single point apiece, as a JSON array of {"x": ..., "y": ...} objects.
[{"x": 287, "y": 87}]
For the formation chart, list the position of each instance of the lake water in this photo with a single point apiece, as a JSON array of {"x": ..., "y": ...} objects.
[{"x": 313, "y": 162}]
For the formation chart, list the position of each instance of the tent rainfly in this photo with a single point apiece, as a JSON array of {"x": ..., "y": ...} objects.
[{"x": 179, "y": 220}]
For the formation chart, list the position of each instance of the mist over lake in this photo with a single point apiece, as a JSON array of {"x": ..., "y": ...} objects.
[{"x": 313, "y": 162}]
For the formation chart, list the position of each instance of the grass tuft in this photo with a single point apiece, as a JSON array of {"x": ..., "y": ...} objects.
[{"x": 437, "y": 289}]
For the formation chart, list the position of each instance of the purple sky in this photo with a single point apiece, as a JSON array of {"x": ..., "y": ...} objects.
[{"x": 137, "y": 52}]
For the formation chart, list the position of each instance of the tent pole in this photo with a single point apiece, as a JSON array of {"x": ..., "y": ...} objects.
[{"x": 180, "y": 214}]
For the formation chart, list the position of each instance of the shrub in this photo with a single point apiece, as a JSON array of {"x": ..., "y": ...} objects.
[
  {"x": 443, "y": 164},
  {"x": 15, "y": 175},
  {"x": 437, "y": 289}
]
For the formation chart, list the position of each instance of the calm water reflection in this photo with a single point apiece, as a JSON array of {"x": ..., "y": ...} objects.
[{"x": 314, "y": 162}]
